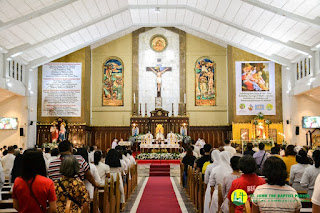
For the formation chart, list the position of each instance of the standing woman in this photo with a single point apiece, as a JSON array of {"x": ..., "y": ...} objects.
[{"x": 32, "y": 190}]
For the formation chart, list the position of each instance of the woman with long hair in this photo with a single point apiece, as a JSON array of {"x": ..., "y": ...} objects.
[
  {"x": 289, "y": 159},
  {"x": 33, "y": 189}
]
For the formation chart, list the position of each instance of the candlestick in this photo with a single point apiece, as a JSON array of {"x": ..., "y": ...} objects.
[
  {"x": 185, "y": 109},
  {"x": 134, "y": 108},
  {"x": 172, "y": 110},
  {"x": 140, "y": 110},
  {"x": 134, "y": 98},
  {"x": 145, "y": 110},
  {"x": 184, "y": 98}
]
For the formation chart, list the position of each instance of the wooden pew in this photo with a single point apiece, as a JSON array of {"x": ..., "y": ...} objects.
[
  {"x": 96, "y": 201},
  {"x": 8, "y": 210},
  {"x": 181, "y": 173},
  {"x": 112, "y": 196},
  {"x": 220, "y": 197},
  {"x": 200, "y": 193},
  {"x": 117, "y": 194},
  {"x": 6, "y": 188}
]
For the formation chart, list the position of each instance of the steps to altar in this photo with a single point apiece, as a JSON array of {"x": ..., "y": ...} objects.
[
  {"x": 144, "y": 169},
  {"x": 159, "y": 170}
]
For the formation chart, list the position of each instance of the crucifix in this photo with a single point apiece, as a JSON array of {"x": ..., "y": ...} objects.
[{"x": 159, "y": 70}]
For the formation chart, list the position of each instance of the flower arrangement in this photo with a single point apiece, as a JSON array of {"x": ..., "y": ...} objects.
[
  {"x": 137, "y": 138},
  {"x": 50, "y": 145},
  {"x": 268, "y": 122},
  {"x": 255, "y": 122},
  {"x": 158, "y": 156},
  {"x": 260, "y": 116}
]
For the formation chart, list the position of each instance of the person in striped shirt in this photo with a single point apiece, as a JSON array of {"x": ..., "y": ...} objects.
[
  {"x": 275, "y": 195},
  {"x": 65, "y": 148}
]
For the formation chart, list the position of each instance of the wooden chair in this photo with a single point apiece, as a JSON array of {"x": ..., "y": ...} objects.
[
  {"x": 68, "y": 206},
  {"x": 247, "y": 207},
  {"x": 220, "y": 197},
  {"x": 200, "y": 194},
  {"x": 117, "y": 193},
  {"x": 96, "y": 201},
  {"x": 106, "y": 198},
  {"x": 181, "y": 173},
  {"x": 112, "y": 197}
]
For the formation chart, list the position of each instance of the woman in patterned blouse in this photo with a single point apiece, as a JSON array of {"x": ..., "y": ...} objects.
[{"x": 70, "y": 187}]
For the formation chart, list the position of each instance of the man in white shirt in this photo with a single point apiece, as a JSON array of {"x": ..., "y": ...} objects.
[
  {"x": 7, "y": 162},
  {"x": 114, "y": 143},
  {"x": 229, "y": 148}
]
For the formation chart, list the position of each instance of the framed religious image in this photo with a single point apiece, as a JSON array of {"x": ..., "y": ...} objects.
[
  {"x": 205, "y": 70},
  {"x": 255, "y": 77},
  {"x": 158, "y": 43},
  {"x": 112, "y": 92}
]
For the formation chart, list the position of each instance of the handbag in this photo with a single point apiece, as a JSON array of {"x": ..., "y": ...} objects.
[
  {"x": 259, "y": 172},
  {"x": 43, "y": 209},
  {"x": 67, "y": 194}
]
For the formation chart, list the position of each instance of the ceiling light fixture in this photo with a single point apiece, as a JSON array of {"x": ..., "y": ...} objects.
[
  {"x": 157, "y": 9},
  {"x": 309, "y": 56},
  {"x": 287, "y": 68}
]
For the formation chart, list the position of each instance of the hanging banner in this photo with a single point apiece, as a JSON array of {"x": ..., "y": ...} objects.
[
  {"x": 61, "y": 90},
  {"x": 255, "y": 87}
]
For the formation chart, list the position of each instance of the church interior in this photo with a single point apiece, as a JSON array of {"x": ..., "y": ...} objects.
[{"x": 157, "y": 77}]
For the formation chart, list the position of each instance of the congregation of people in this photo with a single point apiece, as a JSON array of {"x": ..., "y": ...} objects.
[
  {"x": 43, "y": 180},
  {"x": 290, "y": 170}
]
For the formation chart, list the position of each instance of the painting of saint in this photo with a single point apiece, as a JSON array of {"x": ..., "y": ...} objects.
[
  {"x": 205, "y": 82},
  {"x": 112, "y": 82},
  {"x": 255, "y": 76},
  {"x": 158, "y": 43}
]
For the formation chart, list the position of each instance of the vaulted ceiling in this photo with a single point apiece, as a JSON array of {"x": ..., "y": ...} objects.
[{"x": 39, "y": 31}]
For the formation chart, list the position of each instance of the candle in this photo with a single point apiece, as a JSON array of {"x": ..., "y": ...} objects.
[
  {"x": 184, "y": 98},
  {"x": 134, "y": 98}
]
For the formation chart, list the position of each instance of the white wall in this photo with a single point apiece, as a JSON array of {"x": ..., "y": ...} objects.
[{"x": 16, "y": 107}]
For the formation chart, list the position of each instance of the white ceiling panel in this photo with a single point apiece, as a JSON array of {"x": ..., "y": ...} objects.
[
  {"x": 242, "y": 14},
  {"x": 292, "y": 55},
  {"x": 103, "y": 6},
  {"x": 144, "y": 15},
  {"x": 294, "y": 32},
  {"x": 32, "y": 31},
  {"x": 110, "y": 25},
  {"x": 40, "y": 25},
  {"x": 264, "y": 46},
  {"x": 52, "y": 23},
  {"x": 230, "y": 33},
  {"x": 60, "y": 45},
  {"x": 188, "y": 17},
  {"x": 19, "y": 32},
  {"x": 126, "y": 18},
  {"x": 68, "y": 41},
  {"x": 21, "y": 6},
  {"x": 113, "y": 5},
  {"x": 180, "y": 15},
  {"x": 222, "y": 30},
  {"x": 102, "y": 28},
  {"x": 192, "y": 3},
  {"x": 8, "y": 10},
  {"x": 306, "y": 8},
  {"x": 274, "y": 49},
  {"x": 232, "y": 10},
  {"x": 273, "y": 24},
  {"x": 315, "y": 12},
  {"x": 63, "y": 20},
  {"x": 292, "y": 5},
  {"x": 222, "y": 8},
  {"x": 171, "y": 14},
  {"x": 205, "y": 23},
  {"x": 262, "y": 21},
  {"x": 238, "y": 36},
  {"x": 213, "y": 27},
  {"x": 118, "y": 21},
  {"x": 278, "y": 3},
  {"x": 77, "y": 38},
  {"x": 135, "y": 15},
  {"x": 122, "y": 3},
  {"x": 247, "y": 39},
  {"x": 92, "y": 8},
  {"x": 211, "y": 6},
  {"x": 72, "y": 15},
  {"x": 202, "y": 4},
  {"x": 162, "y": 16},
  {"x": 82, "y": 11},
  {"x": 304, "y": 37},
  {"x": 182, "y": 1},
  {"x": 152, "y": 2},
  {"x": 197, "y": 18},
  {"x": 253, "y": 16}
]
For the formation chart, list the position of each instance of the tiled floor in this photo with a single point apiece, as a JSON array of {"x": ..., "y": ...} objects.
[{"x": 184, "y": 201}]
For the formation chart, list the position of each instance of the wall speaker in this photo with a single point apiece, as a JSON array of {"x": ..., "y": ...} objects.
[
  {"x": 21, "y": 132},
  {"x": 288, "y": 121},
  {"x": 31, "y": 123},
  {"x": 297, "y": 130}
]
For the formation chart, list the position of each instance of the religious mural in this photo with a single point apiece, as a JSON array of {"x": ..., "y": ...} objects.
[
  {"x": 112, "y": 82},
  {"x": 205, "y": 82},
  {"x": 255, "y": 77}
]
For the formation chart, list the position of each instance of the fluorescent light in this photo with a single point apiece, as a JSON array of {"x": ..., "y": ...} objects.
[
  {"x": 318, "y": 46},
  {"x": 287, "y": 68},
  {"x": 9, "y": 59},
  {"x": 157, "y": 9},
  {"x": 9, "y": 84},
  {"x": 31, "y": 92},
  {"x": 16, "y": 54},
  {"x": 309, "y": 56}
]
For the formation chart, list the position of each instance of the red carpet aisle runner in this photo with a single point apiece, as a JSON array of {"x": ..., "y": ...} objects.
[{"x": 159, "y": 197}]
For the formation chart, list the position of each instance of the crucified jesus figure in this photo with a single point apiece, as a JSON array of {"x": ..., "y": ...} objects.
[{"x": 156, "y": 70}]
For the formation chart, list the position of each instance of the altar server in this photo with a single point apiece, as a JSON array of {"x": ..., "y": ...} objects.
[{"x": 114, "y": 143}]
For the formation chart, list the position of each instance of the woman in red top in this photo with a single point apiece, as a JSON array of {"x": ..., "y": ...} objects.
[{"x": 32, "y": 190}]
